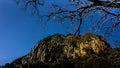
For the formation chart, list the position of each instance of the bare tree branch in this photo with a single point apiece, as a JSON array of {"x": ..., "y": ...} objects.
[
  {"x": 105, "y": 3},
  {"x": 80, "y": 9}
]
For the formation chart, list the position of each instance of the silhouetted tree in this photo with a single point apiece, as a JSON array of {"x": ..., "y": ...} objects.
[{"x": 95, "y": 15}]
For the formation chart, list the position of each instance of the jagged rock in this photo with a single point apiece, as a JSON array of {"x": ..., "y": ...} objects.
[{"x": 53, "y": 48}]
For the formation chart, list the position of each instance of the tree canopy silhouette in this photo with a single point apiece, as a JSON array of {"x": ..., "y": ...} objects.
[{"x": 94, "y": 15}]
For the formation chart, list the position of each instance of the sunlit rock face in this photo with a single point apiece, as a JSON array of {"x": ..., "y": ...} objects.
[
  {"x": 90, "y": 43},
  {"x": 53, "y": 48},
  {"x": 83, "y": 45}
]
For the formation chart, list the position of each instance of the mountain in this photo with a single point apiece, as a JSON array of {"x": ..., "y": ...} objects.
[{"x": 70, "y": 51}]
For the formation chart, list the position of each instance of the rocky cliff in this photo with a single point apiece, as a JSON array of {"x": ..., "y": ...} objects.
[{"x": 53, "y": 48}]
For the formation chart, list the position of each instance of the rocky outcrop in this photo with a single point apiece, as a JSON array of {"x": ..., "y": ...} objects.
[{"x": 53, "y": 48}]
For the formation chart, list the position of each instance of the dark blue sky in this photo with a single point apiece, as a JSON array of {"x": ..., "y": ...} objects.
[{"x": 20, "y": 31}]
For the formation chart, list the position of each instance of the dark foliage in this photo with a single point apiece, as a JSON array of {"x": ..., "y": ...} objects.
[{"x": 108, "y": 59}]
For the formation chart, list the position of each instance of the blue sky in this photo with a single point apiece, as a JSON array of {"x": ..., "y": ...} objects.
[{"x": 19, "y": 31}]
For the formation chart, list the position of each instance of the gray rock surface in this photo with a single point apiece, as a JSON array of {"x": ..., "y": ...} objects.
[{"x": 53, "y": 48}]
